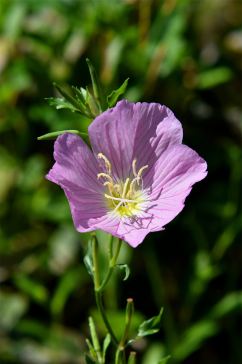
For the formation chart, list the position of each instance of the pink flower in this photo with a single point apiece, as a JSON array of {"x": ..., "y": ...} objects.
[{"x": 137, "y": 175}]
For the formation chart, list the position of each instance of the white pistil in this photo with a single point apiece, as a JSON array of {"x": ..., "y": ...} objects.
[
  {"x": 122, "y": 200},
  {"x": 125, "y": 187}
]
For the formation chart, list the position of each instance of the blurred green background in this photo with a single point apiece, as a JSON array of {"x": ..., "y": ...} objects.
[{"x": 185, "y": 54}]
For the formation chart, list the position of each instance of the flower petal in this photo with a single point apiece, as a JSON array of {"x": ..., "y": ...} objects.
[
  {"x": 75, "y": 164},
  {"x": 75, "y": 171},
  {"x": 131, "y": 131},
  {"x": 132, "y": 232},
  {"x": 171, "y": 178}
]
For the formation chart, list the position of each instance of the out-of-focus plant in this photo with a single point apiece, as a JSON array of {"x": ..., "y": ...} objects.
[{"x": 185, "y": 54}]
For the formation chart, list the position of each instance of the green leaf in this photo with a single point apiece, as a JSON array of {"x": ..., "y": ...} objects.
[
  {"x": 94, "y": 336},
  {"x": 60, "y": 103},
  {"x": 64, "y": 91},
  {"x": 91, "y": 349},
  {"x": 106, "y": 344},
  {"x": 89, "y": 360},
  {"x": 125, "y": 268},
  {"x": 150, "y": 326},
  {"x": 95, "y": 85},
  {"x": 231, "y": 302},
  {"x": 88, "y": 259},
  {"x": 66, "y": 285},
  {"x": 13, "y": 307},
  {"x": 194, "y": 337},
  {"x": 213, "y": 77},
  {"x": 164, "y": 360},
  {"x": 81, "y": 94},
  {"x": 55, "y": 134},
  {"x": 34, "y": 289},
  {"x": 113, "y": 97},
  {"x": 74, "y": 100}
]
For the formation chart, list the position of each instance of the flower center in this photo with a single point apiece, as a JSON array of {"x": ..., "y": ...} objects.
[{"x": 123, "y": 197}]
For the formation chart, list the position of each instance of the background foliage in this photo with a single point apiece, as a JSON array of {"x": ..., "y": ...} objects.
[{"x": 185, "y": 54}]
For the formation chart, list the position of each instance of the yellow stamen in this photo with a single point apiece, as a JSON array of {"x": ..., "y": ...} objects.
[
  {"x": 105, "y": 175},
  {"x": 141, "y": 171},
  {"x": 106, "y": 161},
  {"x": 137, "y": 178},
  {"x": 110, "y": 186},
  {"x": 134, "y": 167},
  {"x": 123, "y": 197}
]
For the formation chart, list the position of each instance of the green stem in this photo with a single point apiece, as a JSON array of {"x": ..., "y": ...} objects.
[
  {"x": 100, "y": 307},
  {"x": 120, "y": 355},
  {"x": 99, "y": 289},
  {"x": 128, "y": 318},
  {"x": 112, "y": 263}
]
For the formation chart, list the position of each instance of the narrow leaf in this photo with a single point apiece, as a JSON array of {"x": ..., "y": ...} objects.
[
  {"x": 88, "y": 259},
  {"x": 55, "y": 134},
  {"x": 80, "y": 93},
  {"x": 89, "y": 360},
  {"x": 125, "y": 269},
  {"x": 67, "y": 94},
  {"x": 91, "y": 349},
  {"x": 71, "y": 101},
  {"x": 106, "y": 344},
  {"x": 164, "y": 360},
  {"x": 113, "y": 97},
  {"x": 60, "y": 103},
  {"x": 94, "y": 336},
  {"x": 95, "y": 84},
  {"x": 150, "y": 326}
]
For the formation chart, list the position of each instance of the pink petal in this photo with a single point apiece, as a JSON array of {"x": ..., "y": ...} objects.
[
  {"x": 75, "y": 164},
  {"x": 130, "y": 231},
  {"x": 171, "y": 178},
  {"x": 76, "y": 171},
  {"x": 131, "y": 131}
]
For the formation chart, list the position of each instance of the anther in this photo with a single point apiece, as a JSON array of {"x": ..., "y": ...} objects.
[
  {"x": 105, "y": 175},
  {"x": 141, "y": 171},
  {"x": 134, "y": 167},
  {"x": 110, "y": 186},
  {"x": 106, "y": 161}
]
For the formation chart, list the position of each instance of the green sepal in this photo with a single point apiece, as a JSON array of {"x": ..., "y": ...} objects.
[
  {"x": 55, "y": 134},
  {"x": 150, "y": 326},
  {"x": 113, "y": 97},
  {"x": 125, "y": 269}
]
